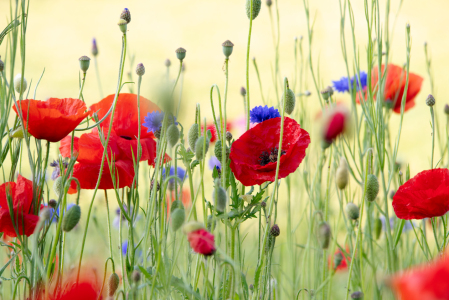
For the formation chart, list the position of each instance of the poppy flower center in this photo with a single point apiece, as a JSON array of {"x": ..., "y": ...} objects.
[
  {"x": 267, "y": 157},
  {"x": 126, "y": 137}
]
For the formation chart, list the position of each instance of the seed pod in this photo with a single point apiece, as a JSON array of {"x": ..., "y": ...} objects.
[
  {"x": 181, "y": 53},
  {"x": 140, "y": 69},
  {"x": 377, "y": 228},
  {"x": 193, "y": 135},
  {"x": 126, "y": 15},
  {"x": 200, "y": 152},
  {"x": 172, "y": 135},
  {"x": 357, "y": 295},
  {"x": 256, "y": 8},
  {"x": 84, "y": 63},
  {"x": 338, "y": 258},
  {"x": 122, "y": 25},
  {"x": 372, "y": 188},
  {"x": 228, "y": 46},
  {"x": 342, "y": 174},
  {"x": 113, "y": 283},
  {"x": 275, "y": 230},
  {"x": 290, "y": 101},
  {"x": 18, "y": 85},
  {"x": 58, "y": 187},
  {"x": 324, "y": 234},
  {"x": 176, "y": 204},
  {"x": 71, "y": 218},
  {"x": 220, "y": 198},
  {"x": 177, "y": 218},
  {"x": 352, "y": 211}
]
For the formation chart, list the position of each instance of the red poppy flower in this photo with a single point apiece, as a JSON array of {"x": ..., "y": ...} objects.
[
  {"x": 254, "y": 155},
  {"x": 335, "y": 122},
  {"x": 343, "y": 264},
  {"x": 424, "y": 196},
  {"x": 125, "y": 124},
  {"x": 213, "y": 130},
  {"x": 88, "y": 287},
  {"x": 425, "y": 282},
  {"x": 202, "y": 242},
  {"x": 87, "y": 175},
  {"x": 65, "y": 146},
  {"x": 53, "y": 119},
  {"x": 395, "y": 86},
  {"x": 22, "y": 198}
]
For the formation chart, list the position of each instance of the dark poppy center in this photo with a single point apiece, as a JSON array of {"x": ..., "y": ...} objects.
[
  {"x": 270, "y": 156},
  {"x": 126, "y": 137}
]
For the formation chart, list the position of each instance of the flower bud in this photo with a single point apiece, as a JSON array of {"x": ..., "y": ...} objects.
[
  {"x": 430, "y": 101},
  {"x": 122, "y": 25},
  {"x": 45, "y": 214},
  {"x": 192, "y": 226},
  {"x": 52, "y": 203},
  {"x": 357, "y": 295},
  {"x": 269, "y": 3},
  {"x": 58, "y": 187},
  {"x": 84, "y": 63},
  {"x": 256, "y": 8},
  {"x": 372, "y": 188},
  {"x": 219, "y": 150},
  {"x": 200, "y": 151},
  {"x": 135, "y": 276},
  {"x": 178, "y": 217},
  {"x": 158, "y": 133},
  {"x": 94, "y": 48},
  {"x": 176, "y": 204},
  {"x": 113, "y": 283},
  {"x": 324, "y": 234},
  {"x": 392, "y": 193},
  {"x": 220, "y": 198},
  {"x": 243, "y": 91},
  {"x": 140, "y": 69},
  {"x": 352, "y": 211},
  {"x": 193, "y": 135},
  {"x": 126, "y": 15},
  {"x": 18, "y": 133},
  {"x": 20, "y": 86},
  {"x": 71, "y": 218},
  {"x": 342, "y": 174},
  {"x": 2, "y": 65},
  {"x": 172, "y": 135},
  {"x": 338, "y": 258},
  {"x": 228, "y": 136},
  {"x": 275, "y": 230},
  {"x": 327, "y": 93},
  {"x": 181, "y": 53},
  {"x": 167, "y": 63},
  {"x": 228, "y": 46},
  {"x": 446, "y": 109},
  {"x": 290, "y": 101},
  {"x": 263, "y": 204},
  {"x": 377, "y": 228}
]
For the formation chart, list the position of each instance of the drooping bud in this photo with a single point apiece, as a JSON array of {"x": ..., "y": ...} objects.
[
  {"x": 193, "y": 135},
  {"x": 178, "y": 217},
  {"x": 200, "y": 151},
  {"x": 58, "y": 187},
  {"x": 52, "y": 203},
  {"x": 94, "y": 48},
  {"x": 122, "y": 25},
  {"x": 290, "y": 101},
  {"x": 377, "y": 228},
  {"x": 135, "y": 276},
  {"x": 342, "y": 174},
  {"x": 324, "y": 234},
  {"x": 180, "y": 53},
  {"x": 228, "y": 136},
  {"x": 275, "y": 230},
  {"x": 256, "y": 5},
  {"x": 327, "y": 93},
  {"x": 71, "y": 218},
  {"x": 372, "y": 188},
  {"x": 430, "y": 101},
  {"x": 220, "y": 198},
  {"x": 2, "y": 65},
  {"x": 84, "y": 63},
  {"x": 357, "y": 295},
  {"x": 45, "y": 214},
  {"x": 172, "y": 135},
  {"x": 126, "y": 15},
  {"x": 20, "y": 86},
  {"x": 338, "y": 258},
  {"x": 352, "y": 211},
  {"x": 140, "y": 69},
  {"x": 113, "y": 283},
  {"x": 243, "y": 91},
  {"x": 228, "y": 46}
]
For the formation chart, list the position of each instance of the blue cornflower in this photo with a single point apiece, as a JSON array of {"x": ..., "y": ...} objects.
[
  {"x": 181, "y": 174},
  {"x": 124, "y": 247},
  {"x": 54, "y": 220},
  {"x": 342, "y": 86},
  {"x": 214, "y": 163},
  {"x": 262, "y": 113},
  {"x": 153, "y": 121}
]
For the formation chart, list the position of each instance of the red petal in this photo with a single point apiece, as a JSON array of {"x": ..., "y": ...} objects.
[
  {"x": 202, "y": 242},
  {"x": 128, "y": 148},
  {"x": 21, "y": 220},
  {"x": 66, "y": 144},
  {"x": 91, "y": 149}
]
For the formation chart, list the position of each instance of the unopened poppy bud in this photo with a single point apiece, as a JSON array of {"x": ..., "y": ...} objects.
[
  {"x": 446, "y": 109},
  {"x": 113, "y": 283},
  {"x": 338, "y": 258},
  {"x": 2, "y": 65},
  {"x": 45, "y": 214},
  {"x": 228, "y": 136},
  {"x": 228, "y": 46},
  {"x": 290, "y": 101},
  {"x": 122, "y": 25},
  {"x": 200, "y": 151},
  {"x": 52, "y": 203},
  {"x": 126, "y": 15},
  {"x": 327, "y": 93},
  {"x": 18, "y": 133},
  {"x": 372, "y": 187},
  {"x": 172, "y": 135},
  {"x": 175, "y": 205},
  {"x": 58, "y": 187},
  {"x": 324, "y": 234},
  {"x": 275, "y": 230},
  {"x": 352, "y": 211},
  {"x": 357, "y": 295},
  {"x": 430, "y": 101},
  {"x": 140, "y": 69},
  {"x": 20, "y": 86},
  {"x": 193, "y": 136},
  {"x": 71, "y": 218},
  {"x": 243, "y": 91},
  {"x": 84, "y": 63},
  {"x": 135, "y": 276},
  {"x": 342, "y": 174},
  {"x": 94, "y": 48},
  {"x": 256, "y": 8},
  {"x": 178, "y": 217},
  {"x": 192, "y": 226},
  {"x": 269, "y": 3},
  {"x": 219, "y": 151},
  {"x": 377, "y": 228},
  {"x": 181, "y": 53}
]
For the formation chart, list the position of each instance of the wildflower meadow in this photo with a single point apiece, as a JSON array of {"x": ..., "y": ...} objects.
[{"x": 273, "y": 174}]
